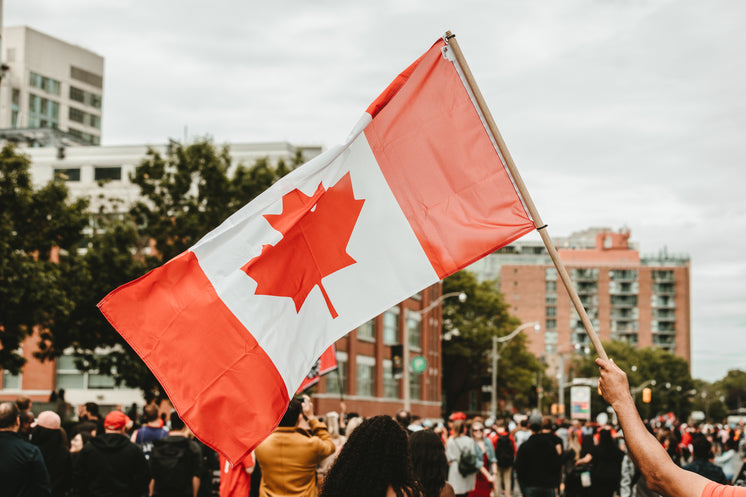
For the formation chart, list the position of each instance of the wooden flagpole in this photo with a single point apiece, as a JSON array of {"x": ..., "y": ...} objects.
[{"x": 541, "y": 227}]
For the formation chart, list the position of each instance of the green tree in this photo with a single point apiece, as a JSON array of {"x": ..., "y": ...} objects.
[
  {"x": 673, "y": 388},
  {"x": 185, "y": 194},
  {"x": 40, "y": 232},
  {"x": 466, "y": 357},
  {"x": 733, "y": 388}
]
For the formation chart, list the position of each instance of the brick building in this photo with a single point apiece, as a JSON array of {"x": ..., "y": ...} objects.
[{"x": 643, "y": 300}]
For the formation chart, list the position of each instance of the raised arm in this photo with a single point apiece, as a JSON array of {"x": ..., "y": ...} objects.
[{"x": 661, "y": 474}]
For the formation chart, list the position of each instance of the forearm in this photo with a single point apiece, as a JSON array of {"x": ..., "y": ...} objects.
[{"x": 661, "y": 474}]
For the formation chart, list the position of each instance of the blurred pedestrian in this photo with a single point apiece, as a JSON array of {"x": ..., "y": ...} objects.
[
  {"x": 374, "y": 462},
  {"x": 22, "y": 469},
  {"x": 289, "y": 456},
  {"x": 48, "y": 435},
  {"x": 110, "y": 464},
  {"x": 429, "y": 464},
  {"x": 486, "y": 475},
  {"x": 461, "y": 446}
]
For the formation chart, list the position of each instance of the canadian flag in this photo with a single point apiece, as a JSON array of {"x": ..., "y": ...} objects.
[{"x": 232, "y": 326}]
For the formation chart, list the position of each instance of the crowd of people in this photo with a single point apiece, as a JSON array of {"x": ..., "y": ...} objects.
[{"x": 153, "y": 453}]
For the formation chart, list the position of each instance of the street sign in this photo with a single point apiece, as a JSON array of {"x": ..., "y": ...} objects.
[
  {"x": 419, "y": 364},
  {"x": 580, "y": 401}
]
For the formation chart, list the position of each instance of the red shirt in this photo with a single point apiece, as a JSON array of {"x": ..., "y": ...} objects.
[
  {"x": 713, "y": 489},
  {"x": 234, "y": 480}
]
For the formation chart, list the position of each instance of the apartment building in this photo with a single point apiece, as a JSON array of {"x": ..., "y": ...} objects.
[{"x": 49, "y": 83}]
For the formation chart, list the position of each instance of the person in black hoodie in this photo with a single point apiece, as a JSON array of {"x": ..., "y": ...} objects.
[
  {"x": 110, "y": 464},
  {"x": 48, "y": 435},
  {"x": 175, "y": 463}
]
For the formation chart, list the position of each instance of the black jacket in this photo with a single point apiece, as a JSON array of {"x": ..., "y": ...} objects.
[
  {"x": 111, "y": 466},
  {"x": 537, "y": 463},
  {"x": 22, "y": 470}
]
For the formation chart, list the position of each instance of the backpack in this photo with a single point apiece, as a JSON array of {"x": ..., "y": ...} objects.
[
  {"x": 172, "y": 467},
  {"x": 504, "y": 451},
  {"x": 467, "y": 462}
]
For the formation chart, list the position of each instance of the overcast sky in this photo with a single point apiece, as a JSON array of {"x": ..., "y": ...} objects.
[{"x": 617, "y": 112}]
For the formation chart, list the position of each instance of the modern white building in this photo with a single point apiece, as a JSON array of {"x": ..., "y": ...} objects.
[{"x": 49, "y": 83}]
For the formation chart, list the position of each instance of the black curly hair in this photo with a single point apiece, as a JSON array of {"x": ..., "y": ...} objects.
[
  {"x": 375, "y": 457},
  {"x": 428, "y": 461}
]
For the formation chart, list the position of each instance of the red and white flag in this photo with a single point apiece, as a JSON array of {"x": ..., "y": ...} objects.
[
  {"x": 326, "y": 364},
  {"x": 232, "y": 326}
]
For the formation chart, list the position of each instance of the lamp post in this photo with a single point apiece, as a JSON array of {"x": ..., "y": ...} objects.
[
  {"x": 496, "y": 357},
  {"x": 405, "y": 346}
]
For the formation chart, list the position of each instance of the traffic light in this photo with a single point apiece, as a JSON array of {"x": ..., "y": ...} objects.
[
  {"x": 646, "y": 395},
  {"x": 397, "y": 360}
]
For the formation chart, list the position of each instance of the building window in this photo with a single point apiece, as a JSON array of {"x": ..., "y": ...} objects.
[
  {"x": 366, "y": 375},
  {"x": 391, "y": 326},
  {"x": 107, "y": 173},
  {"x": 76, "y": 115},
  {"x": 43, "y": 113},
  {"x": 390, "y": 383},
  {"x": 336, "y": 381},
  {"x": 551, "y": 312},
  {"x": 551, "y": 286},
  {"x": 550, "y": 274},
  {"x": 86, "y": 77},
  {"x": 15, "y": 107},
  {"x": 367, "y": 331},
  {"x": 83, "y": 136},
  {"x": 48, "y": 85},
  {"x": 551, "y": 324},
  {"x": 415, "y": 388},
  {"x": 11, "y": 381},
  {"x": 414, "y": 329},
  {"x": 71, "y": 174},
  {"x": 70, "y": 377}
]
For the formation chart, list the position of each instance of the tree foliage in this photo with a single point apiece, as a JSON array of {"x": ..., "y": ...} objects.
[
  {"x": 40, "y": 231},
  {"x": 184, "y": 194},
  {"x": 673, "y": 389},
  {"x": 466, "y": 357}
]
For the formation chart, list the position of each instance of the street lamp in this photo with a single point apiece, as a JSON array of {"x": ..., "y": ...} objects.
[
  {"x": 405, "y": 346},
  {"x": 495, "y": 356}
]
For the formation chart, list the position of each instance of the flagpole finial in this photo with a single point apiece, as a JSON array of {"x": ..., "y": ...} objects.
[{"x": 448, "y": 36}]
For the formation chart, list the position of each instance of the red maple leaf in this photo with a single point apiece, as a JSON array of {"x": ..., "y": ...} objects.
[{"x": 315, "y": 232}]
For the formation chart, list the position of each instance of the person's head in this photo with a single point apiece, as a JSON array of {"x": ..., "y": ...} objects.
[
  {"x": 9, "y": 416},
  {"x": 547, "y": 423},
  {"x": 459, "y": 427},
  {"x": 477, "y": 430},
  {"x": 23, "y": 403},
  {"x": 116, "y": 422},
  {"x": 150, "y": 413},
  {"x": 49, "y": 419},
  {"x": 26, "y": 419},
  {"x": 177, "y": 424},
  {"x": 534, "y": 422},
  {"x": 375, "y": 457},
  {"x": 404, "y": 418},
  {"x": 352, "y": 424},
  {"x": 79, "y": 440},
  {"x": 604, "y": 437},
  {"x": 292, "y": 413},
  {"x": 89, "y": 411},
  {"x": 701, "y": 447},
  {"x": 731, "y": 444},
  {"x": 429, "y": 463}
]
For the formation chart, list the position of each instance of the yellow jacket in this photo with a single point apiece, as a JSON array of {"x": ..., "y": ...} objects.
[{"x": 288, "y": 460}]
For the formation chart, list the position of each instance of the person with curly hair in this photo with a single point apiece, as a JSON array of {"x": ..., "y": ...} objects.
[
  {"x": 429, "y": 463},
  {"x": 374, "y": 462}
]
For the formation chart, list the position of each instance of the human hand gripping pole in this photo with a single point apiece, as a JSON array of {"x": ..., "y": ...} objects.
[{"x": 660, "y": 472}]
